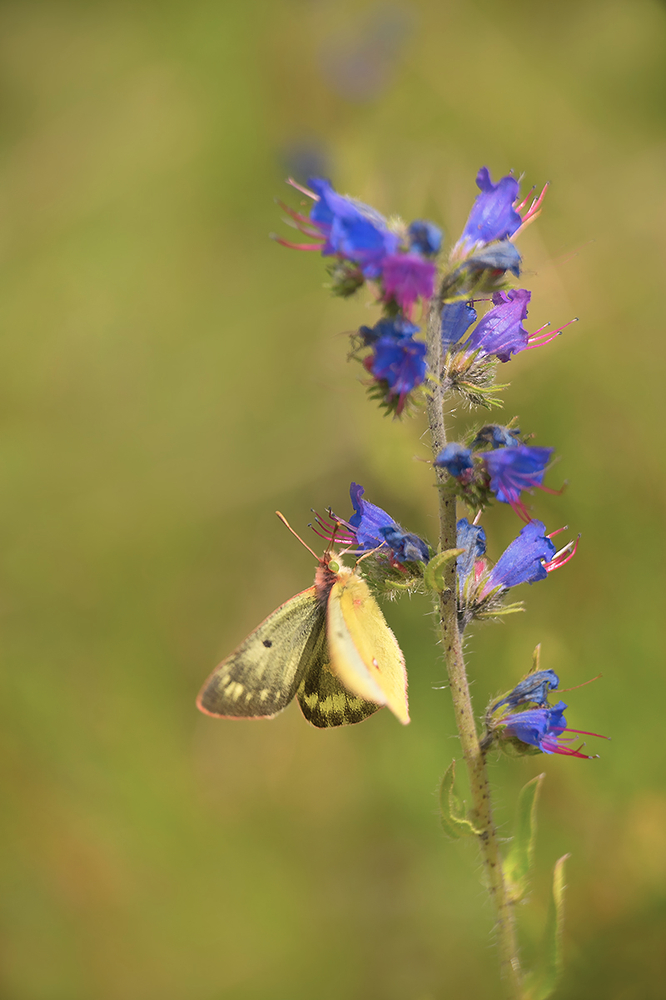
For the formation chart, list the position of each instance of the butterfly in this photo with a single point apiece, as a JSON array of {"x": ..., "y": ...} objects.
[{"x": 329, "y": 647}]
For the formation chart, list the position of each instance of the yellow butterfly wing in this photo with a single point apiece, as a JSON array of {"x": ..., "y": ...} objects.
[
  {"x": 262, "y": 675},
  {"x": 323, "y": 700},
  {"x": 365, "y": 655}
]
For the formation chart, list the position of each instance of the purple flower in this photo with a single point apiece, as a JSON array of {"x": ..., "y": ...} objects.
[
  {"x": 544, "y": 728},
  {"x": 455, "y": 458},
  {"x": 513, "y": 470},
  {"x": 353, "y": 230},
  {"x": 344, "y": 228},
  {"x": 405, "y": 546},
  {"x": 457, "y": 317},
  {"x": 497, "y": 436},
  {"x": 501, "y": 331},
  {"x": 534, "y": 688},
  {"x": 493, "y": 216},
  {"x": 526, "y": 560},
  {"x": 400, "y": 362},
  {"x": 367, "y": 520},
  {"x": 471, "y": 538},
  {"x": 406, "y": 278},
  {"x": 425, "y": 237},
  {"x": 388, "y": 326},
  {"x": 501, "y": 256},
  {"x": 530, "y": 557},
  {"x": 370, "y": 527}
]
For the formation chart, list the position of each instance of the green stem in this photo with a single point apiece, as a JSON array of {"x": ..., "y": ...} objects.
[{"x": 462, "y": 702}]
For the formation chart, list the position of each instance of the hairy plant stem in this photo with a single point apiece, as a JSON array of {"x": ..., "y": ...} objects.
[{"x": 462, "y": 702}]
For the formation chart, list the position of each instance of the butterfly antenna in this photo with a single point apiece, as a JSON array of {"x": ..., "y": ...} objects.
[{"x": 286, "y": 523}]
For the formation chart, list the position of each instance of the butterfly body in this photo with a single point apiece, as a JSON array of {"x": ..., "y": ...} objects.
[{"x": 328, "y": 646}]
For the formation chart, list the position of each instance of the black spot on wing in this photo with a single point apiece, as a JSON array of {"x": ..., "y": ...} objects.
[{"x": 262, "y": 675}]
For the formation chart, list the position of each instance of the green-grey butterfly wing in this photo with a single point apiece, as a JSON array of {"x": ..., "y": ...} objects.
[
  {"x": 263, "y": 674},
  {"x": 323, "y": 700}
]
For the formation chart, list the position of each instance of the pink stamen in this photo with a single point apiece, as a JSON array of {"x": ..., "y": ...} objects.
[
  {"x": 303, "y": 190},
  {"x": 562, "y": 557},
  {"x": 581, "y": 732},
  {"x": 517, "y": 208},
  {"x": 297, "y": 216},
  {"x": 532, "y": 213},
  {"x": 534, "y": 340},
  {"x": 297, "y": 246},
  {"x": 557, "y": 531},
  {"x": 536, "y": 204},
  {"x": 549, "y": 489}
]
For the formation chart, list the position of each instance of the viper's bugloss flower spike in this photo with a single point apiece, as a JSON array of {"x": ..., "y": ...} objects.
[
  {"x": 533, "y": 688},
  {"x": 424, "y": 237},
  {"x": 407, "y": 277},
  {"x": 455, "y": 458},
  {"x": 543, "y": 728}
]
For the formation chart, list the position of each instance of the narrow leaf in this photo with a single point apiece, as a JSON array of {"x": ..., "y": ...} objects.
[
  {"x": 520, "y": 858},
  {"x": 434, "y": 572},
  {"x": 452, "y": 810},
  {"x": 542, "y": 982}
]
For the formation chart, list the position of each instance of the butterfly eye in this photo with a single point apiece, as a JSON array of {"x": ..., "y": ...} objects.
[{"x": 334, "y": 567}]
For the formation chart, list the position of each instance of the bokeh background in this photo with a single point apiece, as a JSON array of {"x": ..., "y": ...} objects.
[{"x": 169, "y": 377}]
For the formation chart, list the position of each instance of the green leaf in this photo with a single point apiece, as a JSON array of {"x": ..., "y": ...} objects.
[
  {"x": 452, "y": 810},
  {"x": 434, "y": 572},
  {"x": 520, "y": 858},
  {"x": 541, "y": 983}
]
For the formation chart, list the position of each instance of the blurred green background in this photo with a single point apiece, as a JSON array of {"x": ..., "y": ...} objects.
[{"x": 170, "y": 377}]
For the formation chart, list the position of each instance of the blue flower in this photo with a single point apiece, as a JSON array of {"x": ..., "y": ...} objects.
[
  {"x": 502, "y": 256},
  {"x": 526, "y": 559},
  {"x": 343, "y": 227},
  {"x": 370, "y": 527},
  {"x": 394, "y": 326},
  {"x": 401, "y": 363},
  {"x": 497, "y": 436},
  {"x": 513, "y": 470},
  {"x": 457, "y": 317},
  {"x": 353, "y": 230},
  {"x": 535, "y": 688},
  {"x": 405, "y": 546},
  {"x": 407, "y": 277},
  {"x": 501, "y": 331},
  {"x": 425, "y": 237},
  {"x": 471, "y": 538},
  {"x": 493, "y": 216},
  {"x": 543, "y": 728},
  {"x": 455, "y": 458},
  {"x": 367, "y": 520}
]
